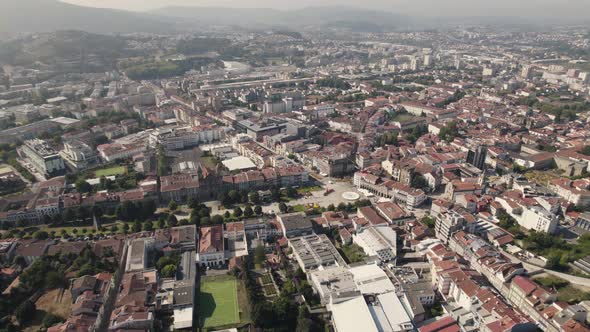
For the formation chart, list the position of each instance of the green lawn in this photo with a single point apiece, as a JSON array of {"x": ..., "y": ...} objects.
[
  {"x": 117, "y": 170},
  {"x": 354, "y": 253},
  {"x": 218, "y": 302},
  {"x": 305, "y": 190}
]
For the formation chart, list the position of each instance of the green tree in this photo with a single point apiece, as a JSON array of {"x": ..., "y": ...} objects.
[
  {"x": 254, "y": 197},
  {"x": 238, "y": 212},
  {"x": 168, "y": 271},
  {"x": 258, "y": 210},
  {"x": 259, "y": 255},
  {"x": 248, "y": 212},
  {"x": 136, "y": 227},
  {"x": 283, "y": 207},
  {"x": 25, "y": 312},
  {"x": 217, "y": 219},
  {"x": 82, "y": 186},
  {"x": 148, "y": 226},
  {"x": 50, "y": 319},
  {"x": 419, "y": 182},
  {"x": 172, "y": 205},
  {"x": 41, "y": 235},
  {"x": 172, "y": 221}
]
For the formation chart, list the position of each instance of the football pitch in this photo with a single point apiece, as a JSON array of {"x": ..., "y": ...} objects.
[{"x": 218, "y": 302}]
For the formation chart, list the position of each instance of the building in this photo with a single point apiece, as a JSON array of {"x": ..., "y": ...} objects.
[
  {"x": 137, "y": 254},
  {"x": 79, "y": 155},
  {"x": 383, "y": 312},
  {"x": 43, "y": 157},
  {"x": 314, "y": 251},
  {"x": 448, "y": 223},
  {"x": 377, "y": 241},
  {"x": 211, "y": 246},
  {"x": 295, "y": 224},
  {"x": 393, "y": 213},
  {"x": 477, "y": 157},
  {"x": 334, "y": 284}
]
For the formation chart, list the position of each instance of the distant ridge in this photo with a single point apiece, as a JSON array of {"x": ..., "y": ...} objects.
[
  {"x": 354, "y": 18},
  {"x": 22, "y": 16}
]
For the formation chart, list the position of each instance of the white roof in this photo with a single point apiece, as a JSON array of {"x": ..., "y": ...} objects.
[
  {"x": 238, "y": 163},
  {"x": 392, "y": 307},
  {"x": 371, "y": 279},
  {"x": 64, "y": 121},
  {"x": 353, "y": 316},
  {"x": 183, "y": 318}
]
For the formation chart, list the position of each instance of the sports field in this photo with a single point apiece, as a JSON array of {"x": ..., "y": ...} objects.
[
  {"x": 218, "y": 302},
  {"x": 110, "y": 171}
]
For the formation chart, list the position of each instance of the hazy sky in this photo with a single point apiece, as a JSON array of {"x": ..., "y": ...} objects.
[{"x": 524, "y": 8}]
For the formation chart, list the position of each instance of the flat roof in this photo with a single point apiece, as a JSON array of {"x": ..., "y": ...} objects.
[
  {"x": 183, "y": 318},
  {"x": 371, "y": 279},
  {"x": 238, "y": 163},
  {"x": 352, "y": 316}
]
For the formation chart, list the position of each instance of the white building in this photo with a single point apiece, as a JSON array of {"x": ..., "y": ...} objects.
[
  {"x": 377, "y": 241},
  {"x": 43, "y": 157}
]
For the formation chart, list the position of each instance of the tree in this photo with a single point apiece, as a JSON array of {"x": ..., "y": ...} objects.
[
  {"x": 97, "y": 211},
  {"x": 148, "y": 208},
  {"x": 82, "y": 186},
  {"x": 449, "y": 132},
  {"x": 331, "y": 207},
  {"x": 136, "y": 226},
  {"x": 161, "y": 223},
  {"x": 254, "y": 197},
  {"x": 168, "y": 271},
  {"x": 41, "y": 235},
  {"x": 419, "y": 182},
  {"x": 303, "y": 321},
  {"x": 125, "y": 227},
  {"x": 54, "y": 279},
  {"x": 148, "y": 226},
  {"x": 20, "y": 261},
  {"x": 238, "y": 212},
  {"x": 291, "y": 192},
  {"x": 341, "y": 207},
  {"x": 172, "y": 221},
  {"x": 234, "y": 196},
  {"x": 172, "y": 205},
  {"x": 25, "y": 312},
  {"x": 217, "y": 219},
  {"x": 258, "y": 210},
  {"x": 205, "y": 221},
  {"x": 227, "y": 215},
  {"x": 248, "y": 212},
  {"x": 193, "y": 202},
  {"x": 259, "y": 254},
  {"x": 50, "y": 319},
  {"x": 283, "y": 207},
  {"x": 429, "y": 222}
]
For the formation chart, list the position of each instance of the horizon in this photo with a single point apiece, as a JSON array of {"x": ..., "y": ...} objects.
[{"x": 529, "y": 9}]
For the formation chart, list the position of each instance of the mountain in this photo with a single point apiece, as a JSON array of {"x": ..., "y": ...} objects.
[
  {"x": 345, "y": 17},
  {"x": 20, "y": 16}
]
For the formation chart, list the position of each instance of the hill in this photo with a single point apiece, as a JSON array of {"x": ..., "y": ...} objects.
[
  {"x": 69, "y": 45},
  {"x": 344, "y": 17},
  {"x": 21, "y": 16}
]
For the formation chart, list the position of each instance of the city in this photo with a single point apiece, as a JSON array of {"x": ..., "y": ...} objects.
[{"x": 335, "y": 176}]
